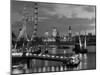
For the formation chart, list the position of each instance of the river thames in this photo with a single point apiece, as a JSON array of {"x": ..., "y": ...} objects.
[{"x": 88, "y": 62}]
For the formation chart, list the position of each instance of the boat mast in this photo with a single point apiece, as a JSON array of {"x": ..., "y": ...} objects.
[{"x": 80, "y": 43}]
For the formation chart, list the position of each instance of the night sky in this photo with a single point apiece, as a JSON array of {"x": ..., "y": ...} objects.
[{"x": 80, "y": 17}]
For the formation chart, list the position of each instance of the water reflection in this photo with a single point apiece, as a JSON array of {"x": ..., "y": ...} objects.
[
  {"x": 85, "y": 56},
  {"x": 17, "y": 71},
  {"x": 57, "y": 68},
  {"x": 48, "y": 69},
  {"x": 46, "y": 63},
  {"x": 85, "y": 61},
  {"x": 54, "y": 50},
  {"x": 44, "y": 69},
  {"x": 65, "y": 68},
  {"x": 80, "y": 66},
  {"x": 54, "y": 66},
  {"x": 51, "y": 66},
  {"x": 38, "y": 69},
  {"x": 61, "y": 68},
  {"x": 65, "y": 52},
  {"x": 80, "y": 56}
]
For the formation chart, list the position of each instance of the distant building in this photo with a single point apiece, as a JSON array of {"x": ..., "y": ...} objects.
[
  {"x": 64, "y": 38},
  {"x": 54, "y": 32},
  {"x": 46, "y": 34}
]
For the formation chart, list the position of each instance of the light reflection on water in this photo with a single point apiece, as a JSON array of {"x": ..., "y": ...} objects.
[
  {"x": 85, "y": 61},
  {"x": 53, "y": 66}
]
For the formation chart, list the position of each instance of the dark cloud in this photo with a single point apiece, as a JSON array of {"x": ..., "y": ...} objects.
[
  {"x": 49, "y": 14},
  {"x": 62, "y": 25},
  {"x": 89, "y": 8}
]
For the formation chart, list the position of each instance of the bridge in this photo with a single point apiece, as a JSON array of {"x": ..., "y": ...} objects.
[{"x": 72, "y": 60}]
